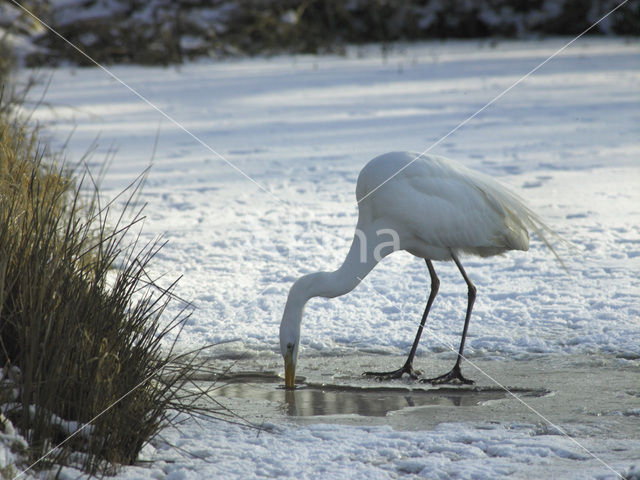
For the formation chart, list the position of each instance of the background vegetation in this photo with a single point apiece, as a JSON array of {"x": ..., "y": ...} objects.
[{"x": 171, "y": 31}]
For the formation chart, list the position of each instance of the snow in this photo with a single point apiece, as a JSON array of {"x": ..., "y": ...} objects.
[
  {"x": 294, "y": 132},
  {"x": 328, "y": 451},
  {"x": 12, "y": 448}
]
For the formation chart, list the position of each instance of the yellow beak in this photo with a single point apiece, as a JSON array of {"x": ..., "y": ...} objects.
[{"x": 289, "y": 372}]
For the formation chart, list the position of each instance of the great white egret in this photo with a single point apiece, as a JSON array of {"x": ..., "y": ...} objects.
[{"x": 433, "y": 208}]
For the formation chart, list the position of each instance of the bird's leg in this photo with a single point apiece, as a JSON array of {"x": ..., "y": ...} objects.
[
  {"x": 408, "y": 365},
  {"x": 455, "y": 375}
]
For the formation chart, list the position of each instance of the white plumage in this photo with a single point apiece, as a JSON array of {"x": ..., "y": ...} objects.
[
  {"x": 436, "y": 205},
  {"x": 432, "y": 207}
]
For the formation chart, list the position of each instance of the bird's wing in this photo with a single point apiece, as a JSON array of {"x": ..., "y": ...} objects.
[
  {"x": 516, "y": 216},
  {"x": 446, "y": 205},
  {"x": 460, "y": 213}
]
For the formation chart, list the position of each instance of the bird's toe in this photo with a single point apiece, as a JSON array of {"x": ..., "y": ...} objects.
[
  {"x": 400, "y": 373},
  {"x": 454, "y": 377}
]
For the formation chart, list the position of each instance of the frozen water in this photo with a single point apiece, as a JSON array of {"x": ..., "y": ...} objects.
[{"x": 273, "y": 198}]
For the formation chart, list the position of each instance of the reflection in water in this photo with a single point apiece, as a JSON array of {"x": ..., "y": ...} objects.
[{"x": 313, "y": 400}]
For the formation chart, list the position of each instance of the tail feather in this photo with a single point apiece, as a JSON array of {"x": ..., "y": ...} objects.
[
  {"x": 520, "y": 215},
  {"x": 533, "y": 222}
]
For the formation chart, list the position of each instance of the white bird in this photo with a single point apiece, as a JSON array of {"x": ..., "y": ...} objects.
[{"x": 433, "y": 208}]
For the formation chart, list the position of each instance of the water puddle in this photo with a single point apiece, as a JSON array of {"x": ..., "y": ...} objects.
[{"x": 325, "y": 399}]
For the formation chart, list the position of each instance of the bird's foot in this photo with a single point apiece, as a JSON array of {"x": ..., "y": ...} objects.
[
  {"x": 454, "y": 376},
  {"x": 406, "y": 369}
]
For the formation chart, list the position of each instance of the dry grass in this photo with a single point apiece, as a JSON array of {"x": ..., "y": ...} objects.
[{"x": 83, "y": 335}]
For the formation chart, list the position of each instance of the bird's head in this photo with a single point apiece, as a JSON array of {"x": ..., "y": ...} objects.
[
  {"x": 289, "y": 341},
  {"x": 299, "y": 293}
]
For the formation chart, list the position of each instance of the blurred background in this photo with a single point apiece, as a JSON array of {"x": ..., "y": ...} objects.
[{"x": 170, "y": 31}]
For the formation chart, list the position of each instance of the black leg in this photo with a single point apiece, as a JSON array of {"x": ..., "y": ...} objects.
[
  {"x": 408, "y": 366},
  {"x": 455, "y": 375}
]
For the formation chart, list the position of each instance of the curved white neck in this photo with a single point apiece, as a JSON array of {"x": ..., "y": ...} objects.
[{"x": 359, "y": 262}]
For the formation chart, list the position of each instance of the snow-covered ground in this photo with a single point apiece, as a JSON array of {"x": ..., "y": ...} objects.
[{"x": 271, "y": 197}]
